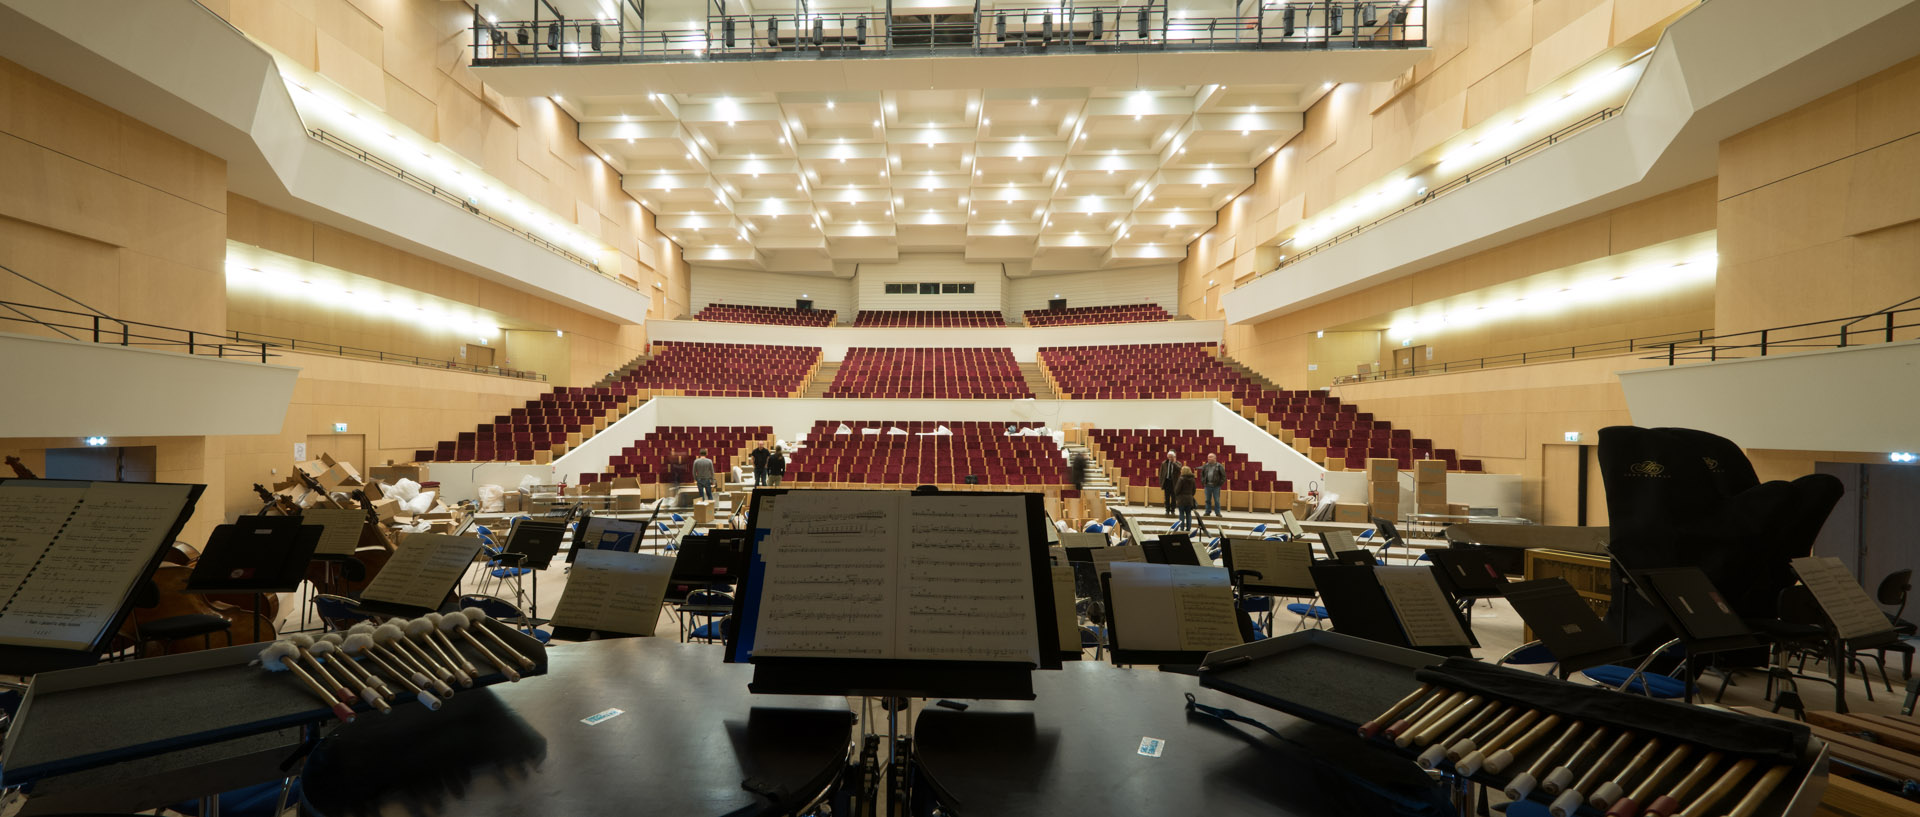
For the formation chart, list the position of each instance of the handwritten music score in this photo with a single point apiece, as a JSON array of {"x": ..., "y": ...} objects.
[
  {"x": 1173, "y": 607},
  {"x": 941, "y": 577},
  {"x": 1425, "y": 614},
  {"x": 71, "y": 552},
  {"x": 1853, "y": 613},
  {"x": 614, "y": 591},
  {"x": 342, "y": 529},
  {"x": 423, "y": 570},
  {"x": 1280, "y": 564}
]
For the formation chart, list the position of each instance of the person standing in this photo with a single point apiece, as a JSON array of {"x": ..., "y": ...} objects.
[
  {"x": 703, "y": 475},
  {"x": 776, "y": 466},
  {"x": 1077, "y": 469},
  {"x": 1183, "y": 497},
  {"x": 1213, "y": 477},
  {"x": 759, "y": 464},
  {"x": 1169, "y": 475}
]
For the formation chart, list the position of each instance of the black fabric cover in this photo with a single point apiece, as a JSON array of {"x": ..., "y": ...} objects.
[
  {"x": 1679, "y": 497},
  {"x": 1773, "y": 740}
]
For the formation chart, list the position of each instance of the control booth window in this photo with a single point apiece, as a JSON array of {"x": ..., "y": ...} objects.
[{"x": 929, "y": 289}]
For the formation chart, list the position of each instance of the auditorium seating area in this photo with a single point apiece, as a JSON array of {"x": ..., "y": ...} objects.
[
  {"x": 773, "y": 315},
  {"x": 649, "y": 459},
  {"x": 1082, "y": 315},
  {"x": 1134, "y": 456},
  {"x": 970, "y": 374},
  {"x": 725, "y": 369},
  {"x": 541, "y": 429},
  {"x": 1149, "y": 371},
  {"x": 914, "y": 453},
  {"x": 928, "y": 317}
]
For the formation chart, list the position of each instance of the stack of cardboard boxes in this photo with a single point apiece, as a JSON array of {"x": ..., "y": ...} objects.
[
  {"x": 339, "y": 476},
  {"x": 1430, "y": 487},
  {"x": 1383, "y": 488}
]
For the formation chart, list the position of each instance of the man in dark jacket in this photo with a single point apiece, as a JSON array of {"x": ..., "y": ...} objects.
[
  {"x": 760, "y": 463},
  {"x": 776, "y": 467},
  {"x": 1213, "y": 477},
  {"x": 1169, "y": 475},
  {"x": 1077, "y": 468}
]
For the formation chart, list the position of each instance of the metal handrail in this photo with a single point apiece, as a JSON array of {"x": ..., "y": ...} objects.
[
  {"x": 101, "y": 328},
  {"x": 339, "y": 350},
  {"x": 1604, "y": 348},
  {"x": 1770, "y": 340}
]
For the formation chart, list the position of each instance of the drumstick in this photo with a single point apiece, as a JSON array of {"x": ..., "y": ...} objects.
[
  {"x": 478, "y": 618},
  {"x": 1431, "y": 758},
  {"x": 1611, "y": 790},
  {"x": 326, "y": 650},
  {"x": 447, "y": 646},
  {"x": 1446, "y": 720},
  {"x": 1629, "y": 806},
  {"x": 1666, "y": 804},
  {"x": 274, "y": 658},
  {"x": 1570, "y": 799},
  {"x": 1432, "y": 715},
  {"x": 1758, "y": 794},
  {"x": 1469, "y": 765},
  {"x": 341, "y": 689},
  {"x": 1522, "y": 784},
  {"x": 1419, "y": 712},
  {"x": 1562, "y": 774},
  {"x": 385, "y": 644},
  {"x": 1461, "y": 748},
  {"x": 362, "y": 643},
  {"x": 1500, "y": 760},
  {"x": 1373, "y": 727},
  {"x": 459, "y": 623},
  {"x": 418, "y": 631},
  {"x": 339, "y": 643}
]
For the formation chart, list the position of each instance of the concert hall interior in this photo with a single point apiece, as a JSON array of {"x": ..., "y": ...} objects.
[{"x": 923, "y": 408}]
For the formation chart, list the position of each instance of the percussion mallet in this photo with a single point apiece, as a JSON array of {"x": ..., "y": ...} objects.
[
  {"x": 1443, "y": 718},
  {"x": 1629, "y": 806},
  {"x": 1373, "y": 727},
  {"x": 1419, "y": 712},
  {"x": 1470, "y": 765},
  {"x": 458, "y": 622},
  {"x": 1611, "y": 790},
  {"x": 479, "y": 618},
  {"x": 448, "y": 647},
  {"x": 1522, "y": 784},
  {"x": 327, "y": 651},
  {"x": 1720, "y": 788},
  {"x": 366, "y": 676},
  {"x": 409, "y": 648},
  {"x": 274, "y": 658},
  {"x": 1465, "y": 746},
  {"x": 387, "y": 640},
  {"x": 362, "y": 643},
  {"x": 419, "y": 632},
  {"x": 1437, "y": 752},
  {"x": 342, "y": 689},
  {"x": 1670, "y": 802},
  {"x": 1501, "y": 759},
  {"x": 1562, "y": 775},
  {"x": 1570, "y": 798},
  {"x": 1758, "y": 794}
]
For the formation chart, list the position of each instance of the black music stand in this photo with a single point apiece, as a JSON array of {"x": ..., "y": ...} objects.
[
  {"x": 1171, "y": 549},
  {"x": 1566, "y": 625},
  {"x": 532, "y": 544},
  {"x": 260, "y": 555},
  {"x": 1184, "y": 661},
  {"x": 1358, "y": 606},
  {"x": 1699, "y": 615},
  {"x": 703, "y": 562}
]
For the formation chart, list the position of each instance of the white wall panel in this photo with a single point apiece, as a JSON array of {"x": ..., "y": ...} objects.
[
  {"x": 717, "y": 285},
  {"x": 1157, "y": 284},
  {"x": 117, "y": 391},
  {"x": 870, "y": 280}
]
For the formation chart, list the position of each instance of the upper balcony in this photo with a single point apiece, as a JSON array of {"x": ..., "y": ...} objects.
[{"x": 585, "y": 32}]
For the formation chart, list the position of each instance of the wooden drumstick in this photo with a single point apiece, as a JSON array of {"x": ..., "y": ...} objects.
[
  {"x": 362, "y": 644},
  {"x": 1612, "y": 790},
  {"x": 1469, "y": 765},
  {"x": 1720, "y": 788},
  {"x": 1419, "y": 712},
  {"x": 1430, "y": 759},
  {"x": 327, "y": 652},
  {"x": 1431, "y": 716},
  {"x": 1629, "y": 806},
  {"x": 1373, "y": 727},
  {"x": 448, "y": 647},
  {"x": 460, "y": 624},
  {"x": 394, "y": 634},
  {"x": 1570, "y": 799},
  {"x": 342, "y": 689},
  {"x": 419, "y": 633},
  {"x": 274, "y": 658},
  {"x": 1760, "y": 791},
  {"x": 339, "y": 643},
  {"x": 1522, "y": 784},
  {"x": 391, "y": 641},
  {"x": 1562, "y": 775},
  {"x": 1501, "y": 759},
  {"x": 1666, "y": 804},
  {"x": 478, "y": 618},
  {"x": 1447, "y": 719},
  {"x": 1465, "y": 746}
]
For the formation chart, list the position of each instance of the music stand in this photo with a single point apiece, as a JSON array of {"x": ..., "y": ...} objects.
[
  {"x": 532, "y": 544},
  {"x": 260, "y": 555},
  {"x": 1265, "y": 585},
  {"x": 1358, "y": 606},
  {"x": 1175, "y": 660},
  {"x": 720, "y": 557},
  {"x": 1170, "y": 549},
  {"x": 1468, "y": 575},
  {"x": 1701, "y": 619},
  {"x": 1566, "y": 625}
]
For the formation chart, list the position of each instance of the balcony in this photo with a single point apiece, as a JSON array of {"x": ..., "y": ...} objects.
[{"x": 547, "y": 36}]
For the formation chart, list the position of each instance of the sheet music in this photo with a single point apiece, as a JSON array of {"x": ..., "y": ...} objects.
[
  {"x": 1340, "y": 540},
  {"x": 31, "y": 515},
  {"x": 1203, "y": 608},
  {"x": 1846, "y": 603},
  {"x": 1280, "y": 564},
  {"x": 1063, "y": 607},
  {"x": 1123, "y": 553},
  {"x": 423, "y": 569},
  {"x": 80, "y": 583},
  {"x": 1173, "y": 607},
  {"x": 614, "y": 591},
  {"x": 604, "y": 533},
  {"x": 1083, "y": 540},
  {"x": 1425, "y": 614},
  {"x": 968, "y": 589},
  {"x": 1293, "y": 525},
  {"x": 342, "y": 528},
  {"x": 828, "y": 589}
]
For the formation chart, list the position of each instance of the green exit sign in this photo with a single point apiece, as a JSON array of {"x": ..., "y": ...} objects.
[{"x": 339, "y": 428}]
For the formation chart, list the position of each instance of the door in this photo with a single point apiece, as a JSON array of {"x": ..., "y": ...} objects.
[
  {"x": 479, "y": 355},
  {"x": 341, "y": 447}
]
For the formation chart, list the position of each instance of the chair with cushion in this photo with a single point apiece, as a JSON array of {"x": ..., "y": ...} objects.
[{"x": 714, "y": 630}]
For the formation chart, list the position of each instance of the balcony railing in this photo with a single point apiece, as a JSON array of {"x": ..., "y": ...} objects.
[
  {"x": 1895, "y": 323},
  {"x": 94, "y": 327},
  {"x": 1603, "y": 348},
  {"x": 1301, "y": 25}
]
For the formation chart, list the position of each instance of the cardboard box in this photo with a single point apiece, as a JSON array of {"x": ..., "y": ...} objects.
[
  {"x": 1430, "y": 493},
  {"x": 313, "y": 468},
  {"x": 1386, "y": 494},
  {"x": 391, "y": 474},
  {"x": 1383, "y": 469},
  {"x": 388, "y": 509},
  {"x": 1440, "y": 509},
  {"x": 1389, "y": 512},
  {"x": 513, "y": 502},
  {"x": 599, "y": 489},
  {"x": 702, "y": 512},
  {"x": 626, "y": 499},
  {"x": 1457, "y": 508},
  {"x": 1430, "y": 471},
  {"x": 628, "y": 483},
  {"x": 1349, "y": 512}
]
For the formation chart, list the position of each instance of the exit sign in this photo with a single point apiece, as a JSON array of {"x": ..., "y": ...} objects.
[{"x": 339, "y": 428}]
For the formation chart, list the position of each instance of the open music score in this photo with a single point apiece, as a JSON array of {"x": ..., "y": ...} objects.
[
  {"x": 1173, "y": 607},
  {"x": 1280, "y": 564},
  {"x": 342, "y": 528},
  {"x": 1425, "y": 614},
  {"x": 615, "y": 592},
  {"x": 877, "y": 574},
  {"x": 1846, "y": 603},
  {"x": 423, "y": 570},
  {"x": 70, "y": 553}
]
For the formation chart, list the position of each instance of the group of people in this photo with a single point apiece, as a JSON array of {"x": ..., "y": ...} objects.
[
  {"x": 1179, "y": 483},
  {"x": 769, "y": 467}
]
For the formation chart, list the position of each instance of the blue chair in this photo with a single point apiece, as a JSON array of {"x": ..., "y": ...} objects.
[
  {"x": 1093, "y": 638},
  {"x": 1260, "y": 529},
  {"x": 715, "y": 627},
  {"x": 337, "y": 612},
  {"x": 1612, "y": 676},
  {"x": 505, "y": 611},
  {"x": 1275, "y": 539},
  {"x": 1308, "y": 612},
  {"x": 1094, "y": 527}
]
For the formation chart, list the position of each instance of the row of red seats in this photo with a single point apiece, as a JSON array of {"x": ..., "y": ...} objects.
[
  {"x": 918, "y": 455},
  {"x": 726, "y": 369},
  {"x": 774, "y": 315},
  {"x": 978, "y": 374},
  {"x": 1136, "y": 454},
  {"x": 539, "y": 425},
  {"x": 652, "y": 457},
  {"x": 1082, "y": 315},
  {"x": 929, "y": 317}
]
